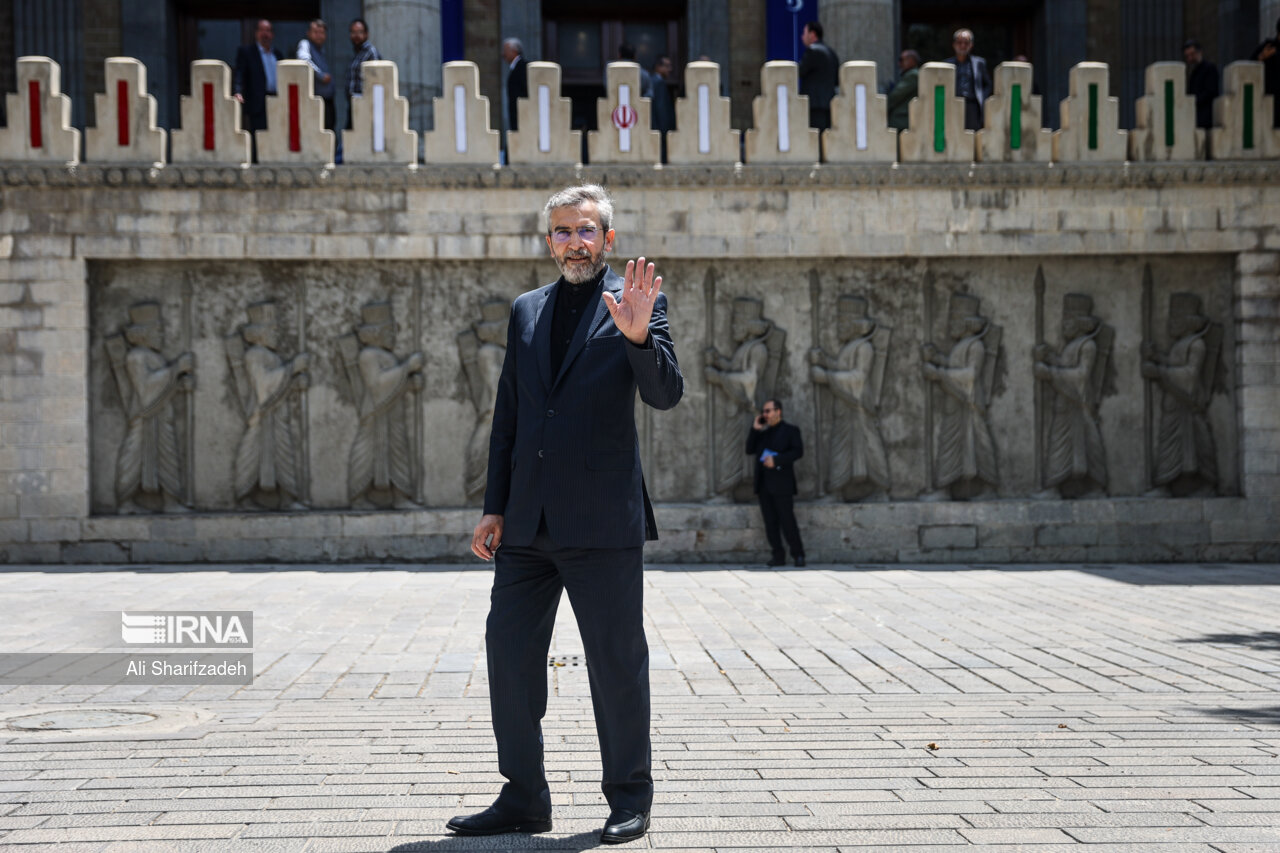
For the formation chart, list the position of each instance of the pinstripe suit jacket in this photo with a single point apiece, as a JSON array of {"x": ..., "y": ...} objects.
[{"x": 565, "y": 445}]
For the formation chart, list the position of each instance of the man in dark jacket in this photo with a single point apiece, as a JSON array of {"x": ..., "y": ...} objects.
[
  {"x": 819, "y": 73},
  {"x": 904, "y": 90},
  {"x": 973, "y": 80},
  {"x": 567, "y": 503},
  {"x": 776, "y": 446},
  {"x": 255, "y": 76},
  {"x": 517, "y": 78},
  {"x": 1202, "y": 82}
]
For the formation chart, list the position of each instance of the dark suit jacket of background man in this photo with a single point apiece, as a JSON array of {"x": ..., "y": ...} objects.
[
  {"x": 784, "y": 440},
  {"x": 517, "y": 87},
  {"x": 251, "y": 82},
  {"x": 982, "y": 88},
  {"x": 565, "y": 446},
  {"x": 819, "y": 76},
  {"x": 1202, "y": 82}
]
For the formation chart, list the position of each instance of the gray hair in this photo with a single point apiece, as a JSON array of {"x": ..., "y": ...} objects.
[
  {"x": 576, "y": 197},
  {"x": 516, "y": 43}
]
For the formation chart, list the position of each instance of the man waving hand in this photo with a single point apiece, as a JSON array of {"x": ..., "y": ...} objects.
[{"x": 566, "y": 508}]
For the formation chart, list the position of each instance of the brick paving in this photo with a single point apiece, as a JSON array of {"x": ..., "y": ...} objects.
[{"x": 829, "y": 709}]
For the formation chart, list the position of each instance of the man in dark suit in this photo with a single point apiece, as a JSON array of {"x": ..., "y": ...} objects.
[
  {"x": 819, "y": 75},
  {"x": 517, "y": 78},
  {"x": 973, "y": 81},
  {"x": 255, "y": 76},
  {"x": 567, "y": 503},
  {"x": 1202, "y": 82},
  {"x": 775, "y": 446}
]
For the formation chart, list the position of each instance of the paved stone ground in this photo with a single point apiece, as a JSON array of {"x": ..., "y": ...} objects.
[{"x": 830, "y": 709}]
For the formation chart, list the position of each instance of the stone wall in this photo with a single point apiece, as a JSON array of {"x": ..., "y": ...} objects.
[
  {"x": 990, "y": 360},
  {"x": 81, "y": 247}
]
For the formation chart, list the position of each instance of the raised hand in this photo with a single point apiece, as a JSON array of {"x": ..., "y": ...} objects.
[{"x": 632, "y": 312}]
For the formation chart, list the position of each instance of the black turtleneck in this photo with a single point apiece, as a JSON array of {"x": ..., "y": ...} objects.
[{"x": 573, "y": 301}]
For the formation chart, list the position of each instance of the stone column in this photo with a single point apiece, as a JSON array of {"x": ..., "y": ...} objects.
[
  {"x": 407, "y": 32},
  {"x": 1268, "y": 13},
  {"x": 1257, "y": 286},
  {"x": 707, "y": 31},
  {"x": 863, "y": 29}
]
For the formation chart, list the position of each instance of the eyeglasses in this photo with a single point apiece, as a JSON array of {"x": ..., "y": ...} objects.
[{"x": 586, "y": 234}]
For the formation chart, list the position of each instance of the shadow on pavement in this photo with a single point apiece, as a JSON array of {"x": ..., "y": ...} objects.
[
  {"x": 1263, "y": 641},
  {"x": 1139, "y": 574},
  {"x": 581, "y": 841},
  {"x": 1247, "y": 715}
]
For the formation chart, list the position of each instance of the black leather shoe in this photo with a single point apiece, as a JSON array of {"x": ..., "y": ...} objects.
[
  {"x": 775, "y": 562},
  {"x": 492, "y": 822},
  {"x": 800, "y": 562},
  {"x": 623, "y": 826}
]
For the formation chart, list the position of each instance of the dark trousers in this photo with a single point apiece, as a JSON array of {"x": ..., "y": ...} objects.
[
  {"x": 820, "y": 118},
  {"x": 330, "y": 113},
  {"x": 606, "y": 589},
  {"x": 780, "y": 514},
  {"x": 972, "y": 114}
]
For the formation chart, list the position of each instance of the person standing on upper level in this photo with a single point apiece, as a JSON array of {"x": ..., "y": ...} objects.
[
  {"x": 973, "y": 80},
  {"x": 364, "y": 52},
  {"x": 819, "y": 72}
]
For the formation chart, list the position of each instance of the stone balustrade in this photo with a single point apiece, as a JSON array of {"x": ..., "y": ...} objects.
[
  {"x": 624, "y": 118},
  {"x": 1241, "y": 130},
  {"x": 295, "y": 131},
  {"x": 859, "y": 120},
  {"x": 211, "y": 131},
  {"x": 39, "y": 116},
  {"x": 125, "y": 131},
  {"x": 1090, "y": 119},
  {"x": 380, "y": 120},
  {"x": 545, "y": 118},
  {"x": 462, "y": 133},
  {"x": 704, "y": 114},
  {"x": 781, "y": 133},
  {"x": 1165, "y": 117},
  {"x": 936, "y": 132},
  {"x": 1014, "y": 130}
]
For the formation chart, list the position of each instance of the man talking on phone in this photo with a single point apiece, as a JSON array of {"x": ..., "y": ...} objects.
[{"x": 776, "y": 445}]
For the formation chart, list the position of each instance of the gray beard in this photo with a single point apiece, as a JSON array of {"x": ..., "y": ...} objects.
[{"x": 580, "y": 275}]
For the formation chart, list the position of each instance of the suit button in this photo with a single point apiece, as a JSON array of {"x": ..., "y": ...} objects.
[
  {"x": 551, "y": 413},
  {"x": 539, "y": 454}
]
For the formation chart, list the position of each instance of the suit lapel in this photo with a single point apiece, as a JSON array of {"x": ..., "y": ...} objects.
[
  {"x": 542, "y": 336},
  {"x": 585, "y": 330}
]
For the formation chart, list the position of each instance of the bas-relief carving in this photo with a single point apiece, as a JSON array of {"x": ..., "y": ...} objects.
[
  {"x": 855, "y": 465},
  {"x": 378, "y": 445},
  {"x": 964, "y": 461},
  {"x": 270, "y": 466},
  {"x": 383, "y": 464},
  {"x": 150, "y": 465},
  {"x": 1075, "y": 461},
  {"x": 482, "y": 349},
  {"x": 741, "y": 383},
  {"x": 1185, "y": 459}
]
